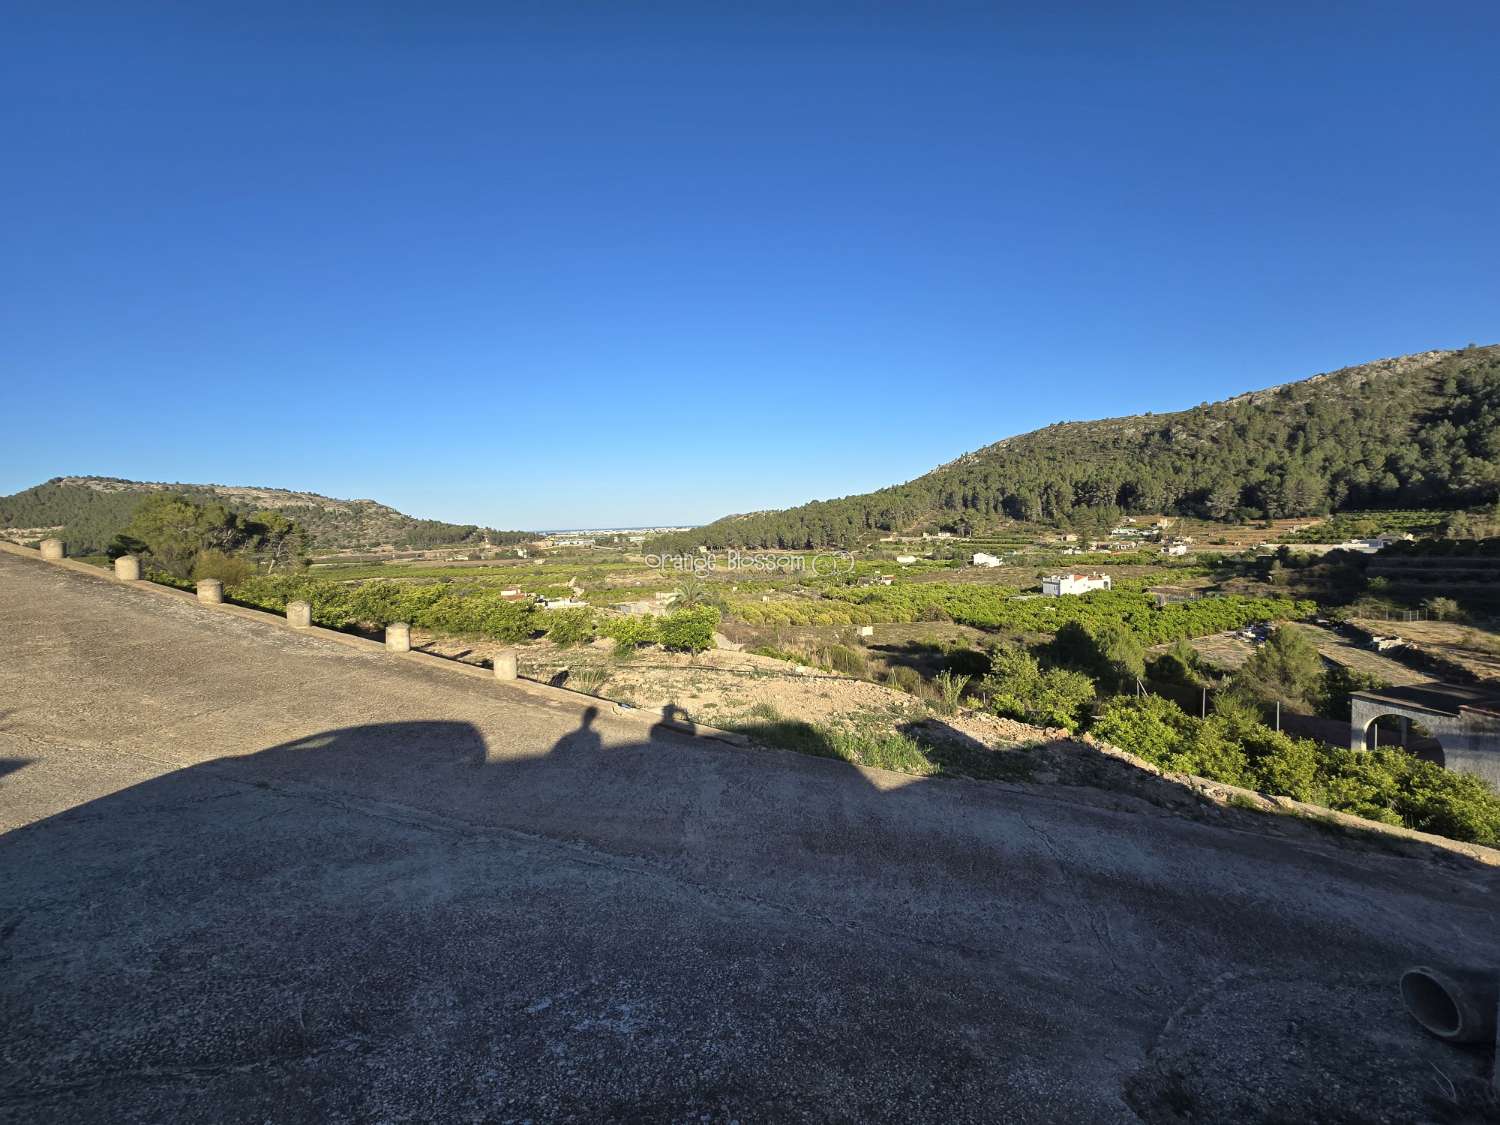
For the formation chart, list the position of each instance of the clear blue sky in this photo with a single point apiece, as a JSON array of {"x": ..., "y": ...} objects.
[{"x": 556, "y": 264}]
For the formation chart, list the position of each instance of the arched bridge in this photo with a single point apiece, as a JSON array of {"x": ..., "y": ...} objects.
[{"x": 1464, "y": 718}]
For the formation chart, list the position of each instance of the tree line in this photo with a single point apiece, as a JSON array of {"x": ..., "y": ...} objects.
[{"x": 1371, "y": 437}]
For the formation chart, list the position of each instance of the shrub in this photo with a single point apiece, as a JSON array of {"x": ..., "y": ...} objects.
[
  {"x": 1147, "y": 725},
  {"x": 907, "y": 679},
  {"x": 777, "y": 653},
  {"x": 689, "y": 630},
  {"x": 950, "y": 689},
  {"x": 570, "y": 626},
  {"x": 1443, "y": 609},
  {"x": 589, "y": 680},
  {"x": 439, "y": 607},
  {"x": 1018, "y": 687},
  {"x": 630, "y": 632},
  {"x": 1385, "y": 785},
  {"x": 228, "y": 569},
  {"x": 1180, "y": 664},
  {"x": 849, "y": 661}
]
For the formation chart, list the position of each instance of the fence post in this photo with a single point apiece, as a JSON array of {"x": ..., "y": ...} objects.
[
  {"x": 1278, "y": 716},
  {"x": 1203, "y": 709}
]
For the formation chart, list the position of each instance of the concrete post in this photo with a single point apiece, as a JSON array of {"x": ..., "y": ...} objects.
[
  {"x": 210, "y": 591},
  {"x": 505, "y": 664},
  {"x": 299, "y": 615},
  {"x": 128, "y": 568},
  {"x": 398, "y": 637},
  {"x": 52, "y": 549}
]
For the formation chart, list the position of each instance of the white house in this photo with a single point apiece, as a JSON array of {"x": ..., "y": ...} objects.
[
  {"x": 982, "y": 559},
  {"x": 1174, "y": 549},
  {"x": 1372, "y": 545},
  {"x": 1056, "y": 585},
  {"x": 906, "y": 560}
]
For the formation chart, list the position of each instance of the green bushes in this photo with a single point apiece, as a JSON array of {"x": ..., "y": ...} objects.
[
  {"x": 228, "y": 569},
  {"x": 950, "y": 690},
  {"x": 570, "y": 626},
  {"x": 997, "y": 607},
  {"x": 909, "y": 680},
  {"x": 1385, "y": 785},
  {"x": 1020, "y": 688},
  {"x": 864, "y": 746},
  {"x": 688, "y": 630},
  {"x": 439, "y": 607},
  {"x": 630, "y": 632},
  {"x": 840, "y": 658}
]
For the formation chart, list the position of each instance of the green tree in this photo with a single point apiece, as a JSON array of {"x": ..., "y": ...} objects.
[
  {"x": 1110, "y": 652},
  {"x": 174, "y": 530},
  {"x": 1286, "y": 668},
  {"x": 278, "y": 540}
]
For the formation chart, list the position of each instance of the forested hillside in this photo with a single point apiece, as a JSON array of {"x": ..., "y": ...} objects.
[
  {"x": 90, "y": 511},
  {"x": 1413, "y": 432}
]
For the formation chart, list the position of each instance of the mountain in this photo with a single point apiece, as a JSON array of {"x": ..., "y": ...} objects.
[
  {"x": 1414, "y": 431},
  {"x": 89, "y": 511}
]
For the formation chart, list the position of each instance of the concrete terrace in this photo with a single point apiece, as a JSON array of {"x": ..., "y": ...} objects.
[{"x": 254, "y": 875}]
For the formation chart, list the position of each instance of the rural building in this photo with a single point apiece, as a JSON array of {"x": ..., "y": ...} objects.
[
  {"x": 1175, "y": 549},
  {"x": 562, "y": 603},
  {"x": 906, "y": 560},
  {"x": 1056, "y": 585},
  {"x": 982, "y": 559}
]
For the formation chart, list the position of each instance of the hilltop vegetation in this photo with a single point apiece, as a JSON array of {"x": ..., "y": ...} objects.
[
  {"x": 1421, "y": 431},
  {"x": 91, "y": 511}
]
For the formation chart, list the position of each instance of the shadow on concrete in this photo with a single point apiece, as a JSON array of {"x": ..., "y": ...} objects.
[{"x": 395, "y": 921}]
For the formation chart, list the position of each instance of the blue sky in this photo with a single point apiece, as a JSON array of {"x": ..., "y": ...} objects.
[{"x": 541, "y": 265}]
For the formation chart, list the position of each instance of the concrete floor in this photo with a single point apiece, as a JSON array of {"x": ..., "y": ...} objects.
[{"x": 250, "y": 875}]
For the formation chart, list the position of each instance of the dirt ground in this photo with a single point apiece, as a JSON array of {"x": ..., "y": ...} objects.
[
  {"x": 1478, "y": 650},
  {"x": 1230, "y": 651}
]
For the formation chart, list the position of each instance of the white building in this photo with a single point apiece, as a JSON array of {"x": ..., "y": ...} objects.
[
  {"x": 1372, "y": 545},
  {"x": 982, "y": 559},
  {"x": 906, "y": 560},
  {"x": 1056, "y": 585},
  {"x": 1174, "y": 549}
]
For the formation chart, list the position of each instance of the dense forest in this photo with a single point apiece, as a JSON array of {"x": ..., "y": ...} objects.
[
  {"x": 92, "y": 510},
  {"x": 1420, "y": 431}
]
